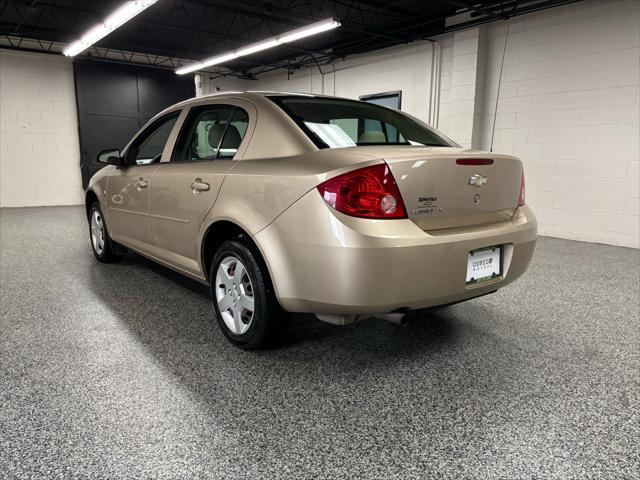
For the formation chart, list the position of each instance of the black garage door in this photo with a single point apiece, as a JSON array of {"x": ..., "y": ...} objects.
[{"x": 115, "y": 100}]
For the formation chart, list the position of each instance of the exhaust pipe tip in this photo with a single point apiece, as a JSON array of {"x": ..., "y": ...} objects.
[{"x": 399, "y": 318}]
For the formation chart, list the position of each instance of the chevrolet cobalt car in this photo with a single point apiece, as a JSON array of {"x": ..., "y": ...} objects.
[{"x": 298, "y": 203}]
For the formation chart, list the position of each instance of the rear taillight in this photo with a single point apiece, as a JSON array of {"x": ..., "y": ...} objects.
[
  {"x": 369, "y": 192},
  {"x": 522, "y": 190}
]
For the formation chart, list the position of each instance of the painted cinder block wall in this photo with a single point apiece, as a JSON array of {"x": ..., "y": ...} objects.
[
  {"x": 569, "y": 106},
  {"x": 39, "y": 145}
]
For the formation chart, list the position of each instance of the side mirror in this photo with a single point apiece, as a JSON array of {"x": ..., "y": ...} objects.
[{"x": 110, "y": 157}]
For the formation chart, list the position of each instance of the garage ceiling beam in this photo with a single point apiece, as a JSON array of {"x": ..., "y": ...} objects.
[
  {"x": 229, "y": 6},
  {"x": 282, "y": 15},
  {"x": 285, "y": 13},
  {"x": 354, "y": 38},
  {"x": 477, "y": 8},
  {"x": 543, "y": 5},
  {"x": 124, "y": 56},
  {"x": 389, "y": 10},
  {"x": 195, "y": 29}
]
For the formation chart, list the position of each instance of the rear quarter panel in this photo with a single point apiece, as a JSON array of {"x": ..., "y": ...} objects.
[{"x": 255, "y": 192}]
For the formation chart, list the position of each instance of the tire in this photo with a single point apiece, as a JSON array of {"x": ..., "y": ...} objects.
[
  {"x": 103, "y": 247},
  {"x": 250, "y": 287}
]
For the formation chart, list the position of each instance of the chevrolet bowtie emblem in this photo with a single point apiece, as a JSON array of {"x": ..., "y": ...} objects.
[{"x": 478, "y": 180}]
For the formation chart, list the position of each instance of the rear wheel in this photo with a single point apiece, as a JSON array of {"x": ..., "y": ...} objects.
[
  {"x": 101, "y": 243},
  {"x": 243, "y": 297}
]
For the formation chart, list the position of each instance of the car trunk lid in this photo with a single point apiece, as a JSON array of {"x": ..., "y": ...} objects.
[{"x": 450, "y": 187}]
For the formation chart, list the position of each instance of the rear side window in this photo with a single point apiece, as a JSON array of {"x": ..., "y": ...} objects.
[{"x": 211, "y": 132}]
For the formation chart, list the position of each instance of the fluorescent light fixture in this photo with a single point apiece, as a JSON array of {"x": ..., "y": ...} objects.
[
  {"x": 292, "y": 36},
  {"x": 257, "y": 47},
  {"x": 307, "y": 31},
  {"x": 121, "y": 16}
]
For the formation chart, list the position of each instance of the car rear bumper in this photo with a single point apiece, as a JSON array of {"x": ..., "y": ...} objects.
[{"x": 324, "y": 262}]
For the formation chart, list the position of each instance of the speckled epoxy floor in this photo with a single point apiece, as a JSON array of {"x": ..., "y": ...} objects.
[{"x": 116, "y": 371}]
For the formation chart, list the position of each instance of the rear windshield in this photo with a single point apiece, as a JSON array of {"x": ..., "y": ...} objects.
[{"x": 335, "y": 123}]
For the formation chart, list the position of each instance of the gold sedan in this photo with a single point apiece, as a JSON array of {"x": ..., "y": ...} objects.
[{"x": 298, "y": 203}]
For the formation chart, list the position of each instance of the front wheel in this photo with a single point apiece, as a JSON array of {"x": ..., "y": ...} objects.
[
  {"x": 243, "y": 297},
  {"x": 101, "y": 243}
]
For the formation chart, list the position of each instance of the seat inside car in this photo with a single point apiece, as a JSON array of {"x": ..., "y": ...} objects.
[
  {"x": 372, "y": 137},
  {"x": 231, "y": 140}
]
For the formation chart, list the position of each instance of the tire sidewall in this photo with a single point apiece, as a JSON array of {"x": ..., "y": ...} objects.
[
  {"x": 109, "y": 255},
  {"x": 96, "y": 208},
  {"x": 261, "y": 294}
]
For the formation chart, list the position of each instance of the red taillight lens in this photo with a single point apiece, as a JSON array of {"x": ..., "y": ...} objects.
[
  {"x": 369, "y": 192},
  {"x": 522, "y": 190}
]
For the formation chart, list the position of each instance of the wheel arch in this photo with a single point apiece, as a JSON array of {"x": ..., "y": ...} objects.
[
  {"x": 220, "y": 231},
  {"x": 89, "y": 199}
]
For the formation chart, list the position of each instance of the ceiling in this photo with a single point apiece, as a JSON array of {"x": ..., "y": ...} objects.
[{"x": 172, "y": 31}]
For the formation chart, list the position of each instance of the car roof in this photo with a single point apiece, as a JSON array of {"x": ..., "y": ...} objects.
[
  {"x": 248, "y": 94},
  {"x": 256, "y": 97},
  {"x": 262, "y": 93}
]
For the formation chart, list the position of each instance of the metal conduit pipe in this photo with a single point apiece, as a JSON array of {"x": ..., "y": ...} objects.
[{"x": 434, "y": 87}]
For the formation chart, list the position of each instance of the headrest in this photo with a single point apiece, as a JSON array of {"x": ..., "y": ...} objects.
[
  {"x": 215, "y": 133},
  {"x": 372, "y": 137},
  {"x": 232, "y": 138}
]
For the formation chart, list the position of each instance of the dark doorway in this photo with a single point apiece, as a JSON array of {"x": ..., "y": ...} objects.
[
  {"x": 386, "y": 99},
  {"x": 115, "y": 100}
]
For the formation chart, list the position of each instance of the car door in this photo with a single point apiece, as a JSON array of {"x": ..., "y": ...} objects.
[
  {"x": 185, "y": 188},
  {"x": 129, "y": 188}
]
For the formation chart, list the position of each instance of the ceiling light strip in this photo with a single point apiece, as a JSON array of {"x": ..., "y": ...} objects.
[
  {"x": 121, "y": 16},
  {"x": 287, "y": 37}
]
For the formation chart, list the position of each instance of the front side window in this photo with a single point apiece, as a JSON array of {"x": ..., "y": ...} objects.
[
  {"x": 211, "y": 132},
  {"x": 148, "y": 149},
  {"x": 335, "y": 122}
]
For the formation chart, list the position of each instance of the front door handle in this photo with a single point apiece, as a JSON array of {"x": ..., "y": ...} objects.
[
  {"x": 142, "y": 183},
  {"x": 200, "y": 186}
]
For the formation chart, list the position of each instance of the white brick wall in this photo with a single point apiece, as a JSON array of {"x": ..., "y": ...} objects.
[
  {"x": 464, "y": 71},
  {"x": 39, "y": 146},
  {"x": 570, "y": 107}
]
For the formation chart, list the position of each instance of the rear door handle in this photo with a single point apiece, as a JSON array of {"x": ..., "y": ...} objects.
[
  {"x": 200, "y": 186},
  {"x": 142, "y": 183}
]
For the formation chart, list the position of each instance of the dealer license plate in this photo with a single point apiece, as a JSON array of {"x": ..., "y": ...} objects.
[{"x": 484, "y": 265}]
